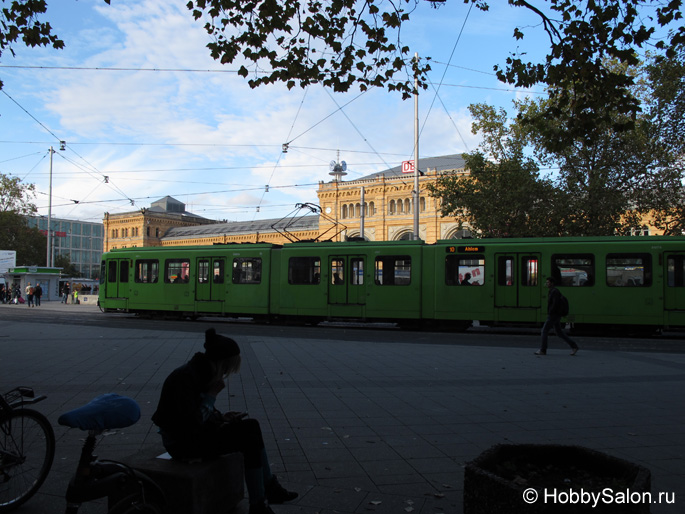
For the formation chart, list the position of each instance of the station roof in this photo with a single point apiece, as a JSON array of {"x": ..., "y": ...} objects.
[
  {"x": 303, "y": 223},
  {"x": 442, "y": 163}
]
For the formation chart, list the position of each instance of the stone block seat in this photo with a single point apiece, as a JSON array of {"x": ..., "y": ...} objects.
[{"x": 193, "y": 487}]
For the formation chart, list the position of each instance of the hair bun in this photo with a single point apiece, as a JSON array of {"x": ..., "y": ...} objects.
[{"x": 218, "y": 347}]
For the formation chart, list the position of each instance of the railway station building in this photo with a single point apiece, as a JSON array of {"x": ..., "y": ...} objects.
[
  {"x": 377, "y": 207},
  {"x": 380, "y": 204}
]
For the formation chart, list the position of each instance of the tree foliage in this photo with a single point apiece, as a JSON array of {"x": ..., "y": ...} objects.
[
  {"x": 15, "y": 196},
  {"x": 343, "y": 43},
  {"x": 607, "y": 181},
  {"x": 21, "y": 21},
  {"x": 16, "y": 202},
  {"x": 503, "y": 195},
  {"x": 68, "y": 269},
  {"x": 664, "y": 109},
  {"x": 29, "y": 243}
]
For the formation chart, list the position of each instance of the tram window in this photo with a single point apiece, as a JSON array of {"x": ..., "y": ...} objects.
[
  {"x": 337, "y": 271},
  {"x": 247, "y": 270},
  {"x": 393, "y": 270},
  {"x": 112, "y": 271},
  {"x": 304, "y": 270},
  {"x": 529, "y": 271},
  {"x": 103, "y": 269},
  {"x": 123, "y": 272},
  {"x": 505, "y": 271},
  {"x": 675, "y": 267},
  {"x": 574, "y": 270},
  {"x": 357, "y": 277},
  {"x": 146, "y": 271},
  {"x": 218, "y": 271},
  {"x": 203, "y": 271},
  {"x": 177, "y": 271},
  {"x": 461, "y": 270},
  {"x": 629, "y": 270}
]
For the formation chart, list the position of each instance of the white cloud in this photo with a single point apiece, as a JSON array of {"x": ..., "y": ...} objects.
[{"x": 181, "y": 124}]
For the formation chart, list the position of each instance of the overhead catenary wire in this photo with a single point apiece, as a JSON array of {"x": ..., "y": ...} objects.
[
  {"x": 280, "y": 155},
  {"x": 173, "y": 70},
  {"x": 442, "y": 79},
  {"x": 287, "y": 186},
  {"x": 61, "y": 141}
]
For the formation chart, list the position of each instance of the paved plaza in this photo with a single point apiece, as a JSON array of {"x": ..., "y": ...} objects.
[{"x": 359, "y": 426}]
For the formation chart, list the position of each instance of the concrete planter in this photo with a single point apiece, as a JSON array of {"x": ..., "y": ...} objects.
[{"x": 553, "y": 479}]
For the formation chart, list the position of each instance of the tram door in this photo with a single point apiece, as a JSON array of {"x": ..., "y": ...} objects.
[
  {"x": 210, "y": 279},
  {"x": 117, "y": 278},
  {"x": 674, "y": 283},
  {"x": 517, "y": 286},
  {"x": 346, "y": 288}
]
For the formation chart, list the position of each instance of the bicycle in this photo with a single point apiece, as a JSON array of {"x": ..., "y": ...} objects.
[
  {"x": 27, "y": 447},
  {"x": 128, "y": 491}
]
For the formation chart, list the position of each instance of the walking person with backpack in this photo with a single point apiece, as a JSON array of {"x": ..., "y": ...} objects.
[
  {"x": 29, "y": 295},
  {"x": 37, "y": 293},
  {"x": 557, "y": 307}
]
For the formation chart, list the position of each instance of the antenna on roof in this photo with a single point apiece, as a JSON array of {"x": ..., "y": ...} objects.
[{"x": 338, "y": 169}]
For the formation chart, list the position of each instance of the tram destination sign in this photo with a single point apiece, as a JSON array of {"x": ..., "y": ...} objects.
[{"x": 465, "y": 249}]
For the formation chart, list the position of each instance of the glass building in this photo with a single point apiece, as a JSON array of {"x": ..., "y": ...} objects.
[{"x": 80, "y": 240}]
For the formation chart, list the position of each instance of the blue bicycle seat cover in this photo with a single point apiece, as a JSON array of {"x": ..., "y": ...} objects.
[{"x": 102, "y": 413}]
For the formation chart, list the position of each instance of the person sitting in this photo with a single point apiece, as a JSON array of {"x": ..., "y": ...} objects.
[
  {"x": 191, "y": 427},
  {"x": 467, "y": 280}
]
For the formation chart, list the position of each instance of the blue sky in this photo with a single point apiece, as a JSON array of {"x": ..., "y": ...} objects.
[{"x": 203, "y": 136}]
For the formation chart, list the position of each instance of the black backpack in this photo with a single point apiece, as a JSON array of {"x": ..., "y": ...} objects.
[{"x": 563, "y": 305}]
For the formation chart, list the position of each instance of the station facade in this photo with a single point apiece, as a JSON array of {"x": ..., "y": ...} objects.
[{"x": 382, "y": 204}]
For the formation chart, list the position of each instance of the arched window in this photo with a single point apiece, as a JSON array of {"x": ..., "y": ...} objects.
[
  {"x": 422, "y": 204},
  {"x": 355, "y": 233},
  {"x": 391, "y": 208},
  {"x": 343, "y": 214},
  {"x": 458, "y": 233},
  {"x": 407, "y": 206},
  {"x": 372, "y": 209},
  {"x": 358, "y": 210}
]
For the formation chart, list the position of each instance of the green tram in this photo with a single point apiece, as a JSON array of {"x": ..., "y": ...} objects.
[{"x": 608, "y": 281}]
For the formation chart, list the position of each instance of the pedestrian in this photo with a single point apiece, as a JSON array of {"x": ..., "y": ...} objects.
[
  {"x": 554, "y": 314},
  {"x": 29, "y": 295},
  {"x": 191, "y": 427},
  {"x": 65, "y": 293},
  {"x": 37, "y": 293}
]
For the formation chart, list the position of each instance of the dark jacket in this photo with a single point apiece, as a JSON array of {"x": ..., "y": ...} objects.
[
  {"x": 179, "y": 412},
  {"x": 554, "y": 302}
]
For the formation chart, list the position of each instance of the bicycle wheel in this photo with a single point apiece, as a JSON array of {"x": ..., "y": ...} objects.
[{"x": 27, "y": 448}]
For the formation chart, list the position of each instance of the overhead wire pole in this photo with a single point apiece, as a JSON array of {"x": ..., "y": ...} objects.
[
  {"x": 49, "y": 253},
  {"x": 416, "y": 150}
]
